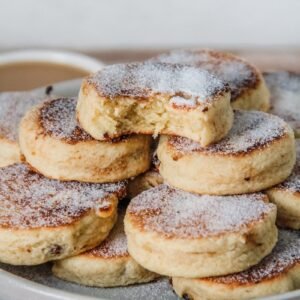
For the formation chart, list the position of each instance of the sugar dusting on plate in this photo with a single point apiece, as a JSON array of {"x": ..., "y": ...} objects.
[{"x": 180, "y": 214}]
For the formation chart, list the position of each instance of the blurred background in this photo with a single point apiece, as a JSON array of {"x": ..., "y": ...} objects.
[{"x": 119, "y": 30}]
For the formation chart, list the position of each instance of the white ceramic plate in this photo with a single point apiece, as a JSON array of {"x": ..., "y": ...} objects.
[
  {"x": 37, "y": 283},
  {"x": 68, "y": 88}
]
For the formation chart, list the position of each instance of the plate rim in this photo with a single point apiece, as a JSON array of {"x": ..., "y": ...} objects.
[{"x": 40, "y": 289}]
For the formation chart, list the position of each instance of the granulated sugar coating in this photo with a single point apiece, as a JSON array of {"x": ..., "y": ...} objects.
[
  {"x": 142, "y": 80},
  {"x": 292, "y": 184},
  {"x": 239, "y": 74},
  {"x": 285, "y": 99},
  {"x": 250, "y": 130},
  {"x": 115, "y": 245},
  {"x": 29, "y": 200},
  {"x": 180, "y": 214},
  {"x": 58, "y": 118},
  {"x": 180, "y": 101},
  {"x": 13, "y": 106},
  {"x": 284, "y": 256}
]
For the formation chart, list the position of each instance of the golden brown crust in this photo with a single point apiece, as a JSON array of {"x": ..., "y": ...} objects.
[
  {"x": 143, "y": 80},
  {"x": 174, "y": 213},
  {"x": 181, "y": 234},
  {"x": 243, "y": 78},
  {"x": 251, "y": 131},
  {"x": 55, "y": 146},
  {"x": 283, "y": 258},
  {"x": 31, "y": 201},
  {"x": 107, "y": 104},
  {"x": 57, "y": 119}
]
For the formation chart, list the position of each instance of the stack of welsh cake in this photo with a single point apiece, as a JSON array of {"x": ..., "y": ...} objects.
[{"x": 204, "y": 213}]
